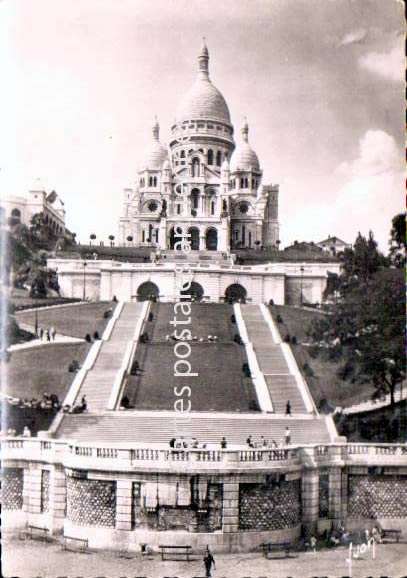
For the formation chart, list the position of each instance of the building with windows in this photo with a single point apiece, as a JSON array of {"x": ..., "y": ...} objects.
[
  {"x": 202, "y": 182},
  {"x": 17, "y": 209},
  {"x": 334, "y": 245}
]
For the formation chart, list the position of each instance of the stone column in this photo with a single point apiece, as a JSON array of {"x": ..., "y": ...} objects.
[
  {"x": 335, "y": 502},
  {"x": 310, "y": 500},
  {"x": 123, "y": 504},
  {"x": 57, "y": 499},
  {"x": 230, "y": 513},
  {"x": 34, "y": 493}
]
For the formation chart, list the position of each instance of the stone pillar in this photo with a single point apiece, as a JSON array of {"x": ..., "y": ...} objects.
[
  {"x": 335, "y": 499},
  {"x": 230, "y": 513},
  {"x": 57, "y": 499},
  {"x": 344, "y": 494},
  {"x": 34, "y": 493},
  {"x": 123, "y": 504},
  {"x": 310, "y": 500},
  {"x": 26, "y": 488}
]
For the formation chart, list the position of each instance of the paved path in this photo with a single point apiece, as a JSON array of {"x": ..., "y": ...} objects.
[
  {"x": 32, "y": 558},
  {"x": 42, "y": 343},
  {"x": 370, "y": 405}
]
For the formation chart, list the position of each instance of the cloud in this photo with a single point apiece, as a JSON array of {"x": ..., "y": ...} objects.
[
  {"x": 367, "y": 192},
  {"x": 388, "y": 65},
  {"x": 354, "y": 37}
]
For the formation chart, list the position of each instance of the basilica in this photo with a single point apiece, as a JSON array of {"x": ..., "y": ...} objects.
[{"x": 202, "y": 182}]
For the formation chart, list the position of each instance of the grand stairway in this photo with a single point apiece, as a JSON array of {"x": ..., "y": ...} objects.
[
  {"x": 98, "y": 382},
  {"x": 159, "y": 427},
  {"x": 281, "y": 382}
]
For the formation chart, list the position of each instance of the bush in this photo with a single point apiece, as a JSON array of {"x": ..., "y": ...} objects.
[
  {"x": 237, "y": 339},
  {"x": 73, "y": 366},
  {"x": 287, "y": 338},
  {"x": 271, "y": 302},
  {"x": 88, "y": 338},
  {"x": 294, "y": 340},
  {"x": 279, "y": 318},
  {"x": 233, "y": 318},
  {"x": 313, "y": 351},
  {"x": 107, "y": 313},
  {"x": 150, "y": 316},
  {"x": 307, "y": 370}
]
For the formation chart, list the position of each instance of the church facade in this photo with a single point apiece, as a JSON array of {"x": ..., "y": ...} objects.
[{"x": 202, "y": 185}]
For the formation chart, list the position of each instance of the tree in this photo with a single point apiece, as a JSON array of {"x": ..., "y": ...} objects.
[
  {"x": 362, "y": 261},
  {"x": 92, "y": 238},
  {"x": 366, "y": 330},
  {"x": 130, "y": 238},
  {"x": 397, "y": 252},
  {"x": 111, "y": 239}
]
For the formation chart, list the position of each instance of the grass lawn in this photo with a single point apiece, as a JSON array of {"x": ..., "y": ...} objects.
[
  {"x": 220, "y": 385},
  {"x": 75, "y": 320},
  {"x": 31, "y": 372},
  {"x": 324, "y": 383}
]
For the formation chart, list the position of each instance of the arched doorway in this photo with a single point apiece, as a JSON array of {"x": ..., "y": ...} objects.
[
  {"x": 147, "y": 291},
  {"x": 235, "y": 292},
  {"x": 194, "y": 238},
  {"x": 194, "y": 293},
  {"x": 175, "y": 239},
  {"x": 211, "y": 240}
]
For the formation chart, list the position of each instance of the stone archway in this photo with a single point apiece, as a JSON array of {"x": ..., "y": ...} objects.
[
  {"x": 194, "y": 238},
  {"x": 147, "y": 290},
  {"x": 194, "y": 293},
  {"x": 235, "y": 292},
  {"x": 211, "y": 239}
]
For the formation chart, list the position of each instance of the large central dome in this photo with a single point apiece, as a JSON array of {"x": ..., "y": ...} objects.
[{"x": 203, "y": 100}]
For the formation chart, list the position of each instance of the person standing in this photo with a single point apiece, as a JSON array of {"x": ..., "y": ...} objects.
[
  {"x": 209, "y": 560},
  {"x": 287, "y": 436},
  {"x": 223, "y": 443},
  {"x": 288, "y": 408}
]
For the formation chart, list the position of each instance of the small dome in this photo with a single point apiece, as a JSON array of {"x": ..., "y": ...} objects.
[
  {"x": 203, "y": 100},
  {"x": 166, "y": 165},
  {"x": 244, "y": 158},
  {"x": 156, "y": 153}
]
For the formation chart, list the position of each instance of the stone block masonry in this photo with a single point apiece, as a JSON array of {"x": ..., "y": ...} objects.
[
  {"x": 377, "y": 496},
  {"x": 269, "y": 506},
  {"x": 12, "y": 489},
  {"x": 91, "y": 502}
]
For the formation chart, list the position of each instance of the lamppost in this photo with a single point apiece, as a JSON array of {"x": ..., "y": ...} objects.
[
  {"x": 84, "y": 279},
  {"x": 36, "y": 320},
  {"x": 302, "y": 275}
]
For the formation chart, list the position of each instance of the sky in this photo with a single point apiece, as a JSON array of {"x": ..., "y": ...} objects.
[{"x": 319, "y": 81}]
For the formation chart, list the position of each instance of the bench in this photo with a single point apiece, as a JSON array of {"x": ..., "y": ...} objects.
[
  {"x": 75, "y": 544},
  {"x": 270, "y": 547},
  {"x": 38, "y": 532},
  {"x": 392, "y": 534},
  {"x": 173, "y": 552}
]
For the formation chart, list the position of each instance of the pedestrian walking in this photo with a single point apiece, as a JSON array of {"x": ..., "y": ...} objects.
[
  {"x": 288, "y": 408},
  {"x": 48, "y": 335},
  {"x": 41, "y": 333},
  {"x": 209, "y": 561}
]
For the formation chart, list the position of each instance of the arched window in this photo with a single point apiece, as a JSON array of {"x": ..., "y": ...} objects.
[
  {"x": 156, "y": 235},
  {"x": 143, "y": 236},
  {"x": 150, "y": 182},
  {"x": 212, "y": 207},
  {"x": 242, "y": 183},
  {"x": 182, "y": 154},
  {"x": 246, "y": 183},
  {"x": 219, "y": 158},
  {"x": 154, "y": 181},
  {"x": 195, "y": 167},
  {"x": 210, "y": 157},
  {"x": 16, "y": 214},
  {"x": 195, "y": 198}
]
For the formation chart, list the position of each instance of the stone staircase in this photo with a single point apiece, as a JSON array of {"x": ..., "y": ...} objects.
[
  {"x": 280, "y": 381},
  {"x": 98, "y": 382},
  {"x": 159, "y": 427},
  {"x": 209, "y": 256}
]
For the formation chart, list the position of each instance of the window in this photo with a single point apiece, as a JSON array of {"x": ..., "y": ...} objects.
[
  {"x": 182, "y": 155},
  {"x": 156, "y": 235},
  {"x": 210, "y": 125},
  {"x": 219, "y": 158},
  {"x": 143, "y": 236},
  {"x": 201, "y": 125},
  {"x": 178, "y": 209},
  {"x": 195, "y": 167},
  {"x": 242, "y": 183},
  {"x": 246, "y": 183},
  {"x": 218, "y": 127},
  {"x": 236, "y": 235},
  {"x": 195, "y": 198},
  {"x": 212, "y": 207},
  {"x": 152, "y": 206},
  {"x": 150, "y": 181},
  {"x": 154, "y": 181},
  {"x": 210, "y": 157}
]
